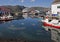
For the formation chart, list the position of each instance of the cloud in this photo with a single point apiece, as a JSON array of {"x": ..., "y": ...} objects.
[
  {"x": 22, "y": 1},
  {"x": 32, "y": 0}
]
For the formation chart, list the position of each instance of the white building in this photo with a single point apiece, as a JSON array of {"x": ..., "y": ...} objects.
[
  {"x": 25, "y": 12},
  {"x": 55, "y": 8}
]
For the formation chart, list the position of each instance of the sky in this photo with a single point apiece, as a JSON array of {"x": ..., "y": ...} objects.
[{"x": 28, "y": 3}]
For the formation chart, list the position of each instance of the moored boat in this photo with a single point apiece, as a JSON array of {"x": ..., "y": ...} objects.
[
  {"x": 54, "y": 23},
  {"x": 6, "y": 18}
]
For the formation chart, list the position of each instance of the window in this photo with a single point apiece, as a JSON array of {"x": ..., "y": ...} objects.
[
  {"x": 58, "y": 6},
  {"x": 58, "y": 12}
]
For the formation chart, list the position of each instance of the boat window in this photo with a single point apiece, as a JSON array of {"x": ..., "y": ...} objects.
[
  {"x": 36, "y": 14},
  {"x": 49, "y": 20},
  {"x": 58, "y": 6},
  {"x": 59, "y": 20}
]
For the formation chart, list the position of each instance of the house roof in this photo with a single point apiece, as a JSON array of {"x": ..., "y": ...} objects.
[
  {"x": 56, "y": 2},
  {"x": 25, "y": 10},
  {"x": 4, "y": 9}
]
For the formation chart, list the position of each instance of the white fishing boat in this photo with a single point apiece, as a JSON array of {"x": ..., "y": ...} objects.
[
  {"x": 53, "y": 23},
  {"x": 6, "y": 18}
]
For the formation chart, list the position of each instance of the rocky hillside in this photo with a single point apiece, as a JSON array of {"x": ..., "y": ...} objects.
[
  {"x": 16, "y": 8},
  {"x": 41, "y": 8},
  {"x": 19, "y": 8}
]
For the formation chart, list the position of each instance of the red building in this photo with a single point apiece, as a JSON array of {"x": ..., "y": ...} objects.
[{"x": 4, "y": 10}]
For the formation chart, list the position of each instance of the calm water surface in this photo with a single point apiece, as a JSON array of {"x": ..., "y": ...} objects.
[{"x": 30, "y": 28}]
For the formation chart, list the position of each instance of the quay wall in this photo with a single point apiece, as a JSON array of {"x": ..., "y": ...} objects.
[{"x": 55, "y": 33}]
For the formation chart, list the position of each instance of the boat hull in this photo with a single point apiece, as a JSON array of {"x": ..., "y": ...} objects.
[
  {"x": 5, "y": 19},
  {"x": 47, "y": 24},
  {"x": 51, "y": 25},
  {"x": 55, "y": 26}
]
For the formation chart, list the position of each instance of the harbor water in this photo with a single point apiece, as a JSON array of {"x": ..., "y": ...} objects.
[{"x": 29, "y": 29}]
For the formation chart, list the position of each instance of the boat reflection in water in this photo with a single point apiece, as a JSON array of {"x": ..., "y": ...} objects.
[
  {"x": 2, "y": 22},
  {"x": 28, "y": 29}
]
